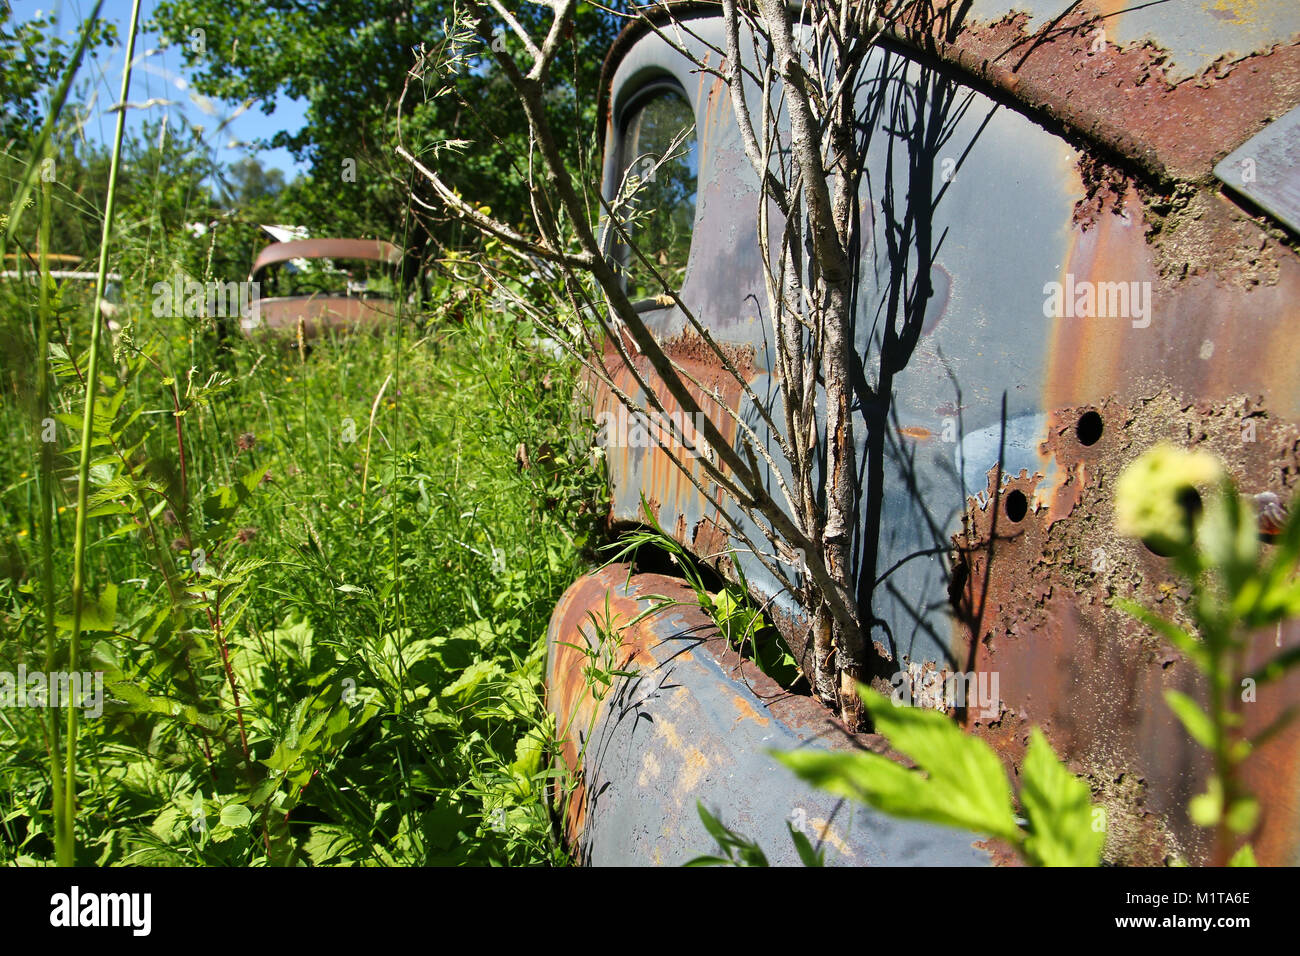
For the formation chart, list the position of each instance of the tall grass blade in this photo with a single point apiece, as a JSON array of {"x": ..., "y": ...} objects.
[{"x": 66, "y": 852}]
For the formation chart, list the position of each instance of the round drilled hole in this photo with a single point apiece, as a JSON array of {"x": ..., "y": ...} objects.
[
  {"x": 1089, "y": 428},
  {"x": 1017, "y": 505}
]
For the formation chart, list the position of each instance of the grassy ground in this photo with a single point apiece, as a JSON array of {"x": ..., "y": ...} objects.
[{"x": 376, "y": 596}]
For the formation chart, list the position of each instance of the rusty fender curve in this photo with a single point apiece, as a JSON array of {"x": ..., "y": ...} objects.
[
  {"x": 320, "y": 316},
  {"x": 696, "y": 722}
]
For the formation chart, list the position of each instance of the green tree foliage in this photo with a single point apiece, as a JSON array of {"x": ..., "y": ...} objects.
[
  {"x": 248, "y": 183},
  {"x": 32, "y": 57},
  {"x": 350, "y": 63}
]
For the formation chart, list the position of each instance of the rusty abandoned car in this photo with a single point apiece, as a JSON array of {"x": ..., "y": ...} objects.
[
  {"x": 323, "y": 286},
  {"x": 1109, "y": 197}
]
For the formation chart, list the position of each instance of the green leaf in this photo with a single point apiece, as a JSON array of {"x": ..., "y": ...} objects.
[
  {"x": 529, "y": 750},
  {"x": 803, "y": 846},
  {"x": 740, "y": 851},
  {"x": 330, "y": 843},
  {"x": 98, "y": 615},
  {"x": 1228, "y": 536},
  {"x": 171, "y": 823},
  {"x": 1058, "y": 806},
  {"x": 712, "y": 824},
  {"x": 135, "y": 699},
  {"x": 1243, "y": 857},
  {"x": 1243, "y": 814},
  {"x": 963, "y": 784},
  {"x": 964, "y": 772},
  {"x": 1196, "y": 721},
  {"x": 236, "y": 815},
  {"x": 1206, "y": 809},
  {"x": 474, "y": 675}
]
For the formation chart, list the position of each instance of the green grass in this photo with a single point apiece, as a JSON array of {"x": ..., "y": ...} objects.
[
  {"x": 316, "y": 590},
  {"x": 385, "y": 638}
]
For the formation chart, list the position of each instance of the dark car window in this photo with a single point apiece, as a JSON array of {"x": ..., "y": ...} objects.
[
  {"x": 327, "y": 276},
  {"x": 660, "y": 191}
]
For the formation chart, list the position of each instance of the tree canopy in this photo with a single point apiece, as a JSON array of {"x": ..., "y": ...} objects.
[{"x": 351, "y": 64}]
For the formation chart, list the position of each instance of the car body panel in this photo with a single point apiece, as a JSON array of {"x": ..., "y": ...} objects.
[
  {"x": 1040, "y": 157},
  {"x": 696, "y": 723}
]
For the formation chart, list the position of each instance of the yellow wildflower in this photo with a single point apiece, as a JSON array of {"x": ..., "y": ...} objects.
[{"x": 1156, "y": 496}]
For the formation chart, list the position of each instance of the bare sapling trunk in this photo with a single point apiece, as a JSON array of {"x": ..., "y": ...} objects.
[{"x": 792, "y": 80}]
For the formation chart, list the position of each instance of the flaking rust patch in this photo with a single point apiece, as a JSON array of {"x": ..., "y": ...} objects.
[
  {"x": 745, "y": 711},
  {"x": 1106, "y": 189},
  {"x": 1195, "y": 232},
  {"x": 1036, "y": 604},
  {"x": 1134, "y": 835}
]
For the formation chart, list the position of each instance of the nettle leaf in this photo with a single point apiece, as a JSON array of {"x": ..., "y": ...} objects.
[
  {"x": 1195, "y": 720},
  {"x": 98, "y": 615},
  {"x": 135, "y": 699},
  {"x": 963, "y": 784},
  {"x": 111, "y": 509},
  {"x": 1058, "y": 807},
  {"x": 170, "y": 825},
  {"x": 331, "y": 844},
  {"x": 480, "y": 632},
  {"x": 102, "y": 472},
  {"x": 465, "y": 685},
  {"x": 221, "y": 505},
  {"x": 963, "y": 770},
  {"x": 236, "y": 816}
]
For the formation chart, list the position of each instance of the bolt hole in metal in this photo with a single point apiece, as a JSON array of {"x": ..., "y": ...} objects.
[
  {"x": 1089, "y": 428},
  {"x": 1017, "y": 505}
]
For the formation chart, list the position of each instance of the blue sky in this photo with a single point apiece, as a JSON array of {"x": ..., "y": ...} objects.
[{"x": 155, "y": 76}]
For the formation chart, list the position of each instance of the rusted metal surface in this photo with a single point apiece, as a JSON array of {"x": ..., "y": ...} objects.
[
  {"x": 1066, "y": 163},
  {"x": 1129, "y": 96},
  {"x": 1137, "y": 78},
  {"x": 670, "y": 494},
  {"x": 320, "y": 315},
  {"x": 1036, "y": 598},
  {"x": 695, "y": 723},
  {"x": 1192, "y": 34},
  {"x": 371, "y": 250}
]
